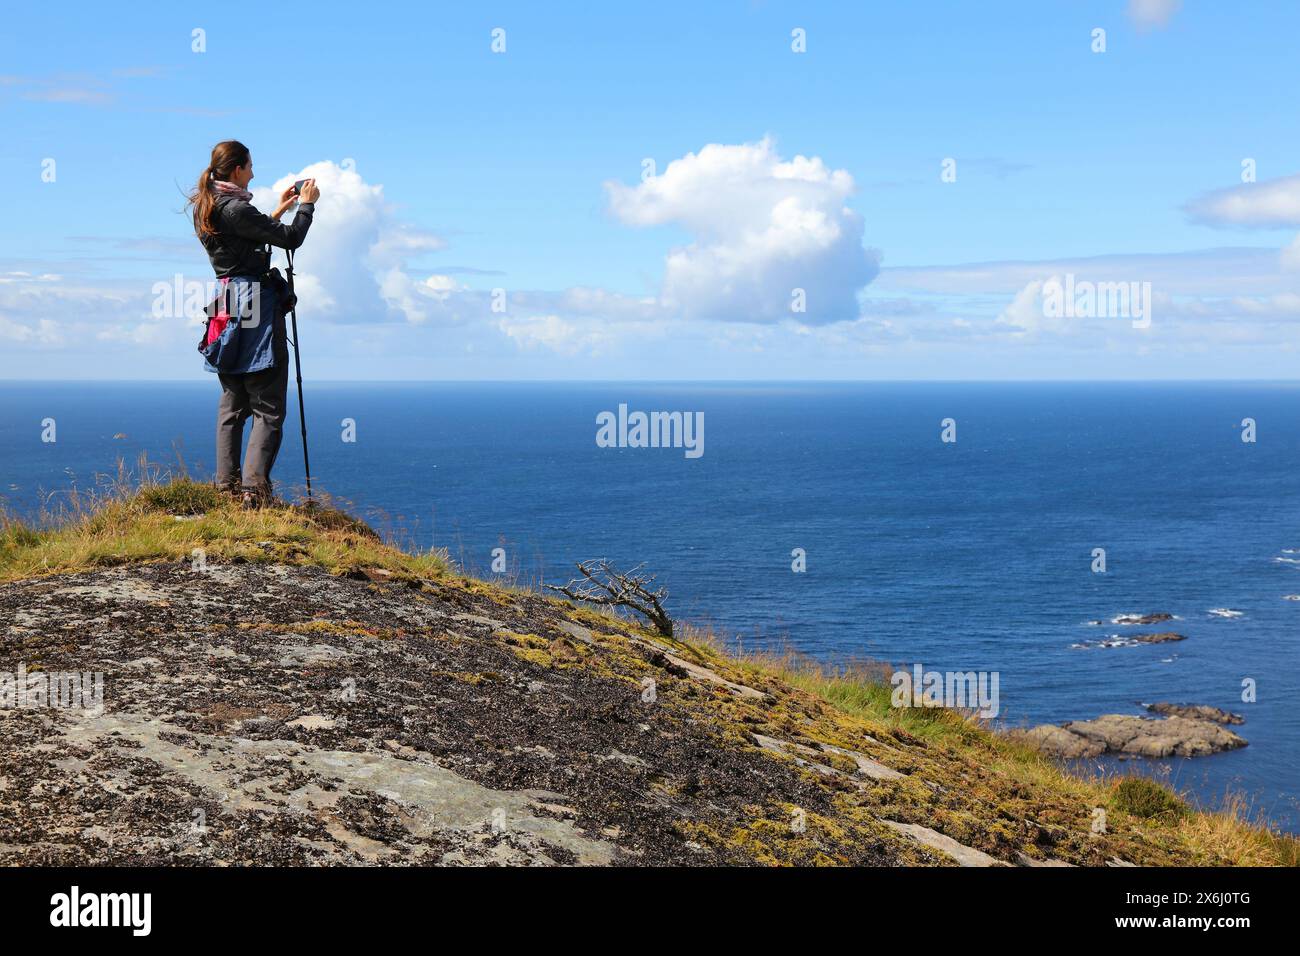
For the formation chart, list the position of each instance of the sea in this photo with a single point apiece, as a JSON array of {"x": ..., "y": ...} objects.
[{"x": 999, "y": 528}]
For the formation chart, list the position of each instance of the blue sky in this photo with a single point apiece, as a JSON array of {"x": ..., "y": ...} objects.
[{"x": 449, "y": 171}]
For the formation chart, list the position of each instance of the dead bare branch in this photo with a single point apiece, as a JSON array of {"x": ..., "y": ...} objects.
[{"x": 603, "y": 584}]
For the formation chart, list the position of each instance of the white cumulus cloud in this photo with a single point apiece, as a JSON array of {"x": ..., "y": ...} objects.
[
  {"x": 762, "y": 227},
  {"x": 1272, "y": 204},
  {"x": 1025, "y": 312},
  {"x": 352, "y": 267}
]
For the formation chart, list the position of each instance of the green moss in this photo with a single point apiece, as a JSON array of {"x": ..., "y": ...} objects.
[
  {"x": 324, "y": 626},
  {"x": 522, "y": 640},
  {"x": 532, "y": 654}
]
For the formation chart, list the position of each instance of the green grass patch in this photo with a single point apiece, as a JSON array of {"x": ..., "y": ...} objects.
[
  {"x": 158, "y": 520},
  {"x": 1148, "y": 800}
]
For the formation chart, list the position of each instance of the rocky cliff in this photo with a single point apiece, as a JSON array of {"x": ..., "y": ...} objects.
[{"x": 299, "y": 693}]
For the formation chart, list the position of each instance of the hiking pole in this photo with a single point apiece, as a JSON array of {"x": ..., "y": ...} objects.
[{"x": 297, "y": 364}]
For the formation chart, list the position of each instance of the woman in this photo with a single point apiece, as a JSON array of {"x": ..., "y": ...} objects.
[{"x": 245, "y": 338}]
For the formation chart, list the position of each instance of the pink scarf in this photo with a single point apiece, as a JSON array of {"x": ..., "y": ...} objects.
[{"x": 230, "y": 189}]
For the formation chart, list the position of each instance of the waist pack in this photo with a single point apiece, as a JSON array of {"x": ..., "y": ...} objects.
[{"x": 237, "y": 311}]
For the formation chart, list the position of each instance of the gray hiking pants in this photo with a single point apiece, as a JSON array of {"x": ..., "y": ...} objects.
[{"x": 261, "y": 395}]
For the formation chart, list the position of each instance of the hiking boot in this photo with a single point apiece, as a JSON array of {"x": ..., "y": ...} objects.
[{"x": 257, "y": 496}]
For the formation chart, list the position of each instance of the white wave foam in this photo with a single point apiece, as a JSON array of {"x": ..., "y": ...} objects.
[
  {"x": 1111, "y": 640},
  {"x": 1130, "y": 620},
  {"x": 1225, "y": 612}
]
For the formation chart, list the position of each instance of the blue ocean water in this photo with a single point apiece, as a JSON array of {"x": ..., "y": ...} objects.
[{"x": 973, "y": 555}]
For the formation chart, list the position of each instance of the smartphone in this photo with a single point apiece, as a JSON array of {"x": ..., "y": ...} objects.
[{"x": 297, "y": 187}]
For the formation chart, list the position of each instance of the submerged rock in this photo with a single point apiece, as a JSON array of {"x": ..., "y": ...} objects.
[
  {"x": 1130, "y": 640},
  {"x": 1161, "y": 638},
  {"x": 1128, "y": 619}
]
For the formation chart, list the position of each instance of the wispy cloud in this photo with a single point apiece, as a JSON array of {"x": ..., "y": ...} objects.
[
  {"x": 138, "y": 72},
  {"x": 103, "y": 91},
  {"x": 1272, "y": 204},
  {"x": 997, "y": 166},
  {"x": 1152, "y": 14},
  {"x": 69, "y": 95},
  {"x": 1217, "y": 271}
]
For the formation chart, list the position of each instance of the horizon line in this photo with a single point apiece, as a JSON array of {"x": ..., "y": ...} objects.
[{"x": 687, "y": 381}]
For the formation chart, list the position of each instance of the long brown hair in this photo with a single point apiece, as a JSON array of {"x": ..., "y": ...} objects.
[{"x": 226, "y": 156}]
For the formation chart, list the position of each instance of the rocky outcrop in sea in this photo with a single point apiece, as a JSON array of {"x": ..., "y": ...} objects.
[
  {"x": 1172, "y": 736},
  {"x": 1197, "y": 712}
]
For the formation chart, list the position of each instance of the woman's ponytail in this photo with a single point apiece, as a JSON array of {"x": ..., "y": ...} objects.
[{"x": 226, "y": 157}]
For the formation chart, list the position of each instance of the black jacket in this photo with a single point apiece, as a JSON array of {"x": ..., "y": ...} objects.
[{"x": 237, "y": 249}]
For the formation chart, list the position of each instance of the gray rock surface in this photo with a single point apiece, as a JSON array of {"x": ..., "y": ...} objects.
[
  {"x": 1131, "y": 619},
  {"x": 962, "y": 854},
  {"x": 272, "y": 714},
  {"x": 1175, "y": 736},
  {"x": 1163, "y": 637},
  {"x": 1196, "y": 712}
]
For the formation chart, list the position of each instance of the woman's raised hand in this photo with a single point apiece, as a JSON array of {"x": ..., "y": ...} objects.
[{"x": 309, "y": 192}]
